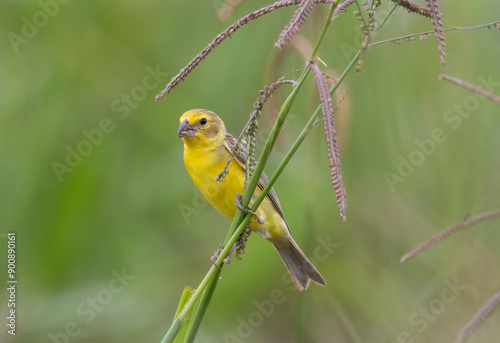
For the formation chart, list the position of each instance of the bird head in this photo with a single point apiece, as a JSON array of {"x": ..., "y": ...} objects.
[{"x": 201, "y": 126}]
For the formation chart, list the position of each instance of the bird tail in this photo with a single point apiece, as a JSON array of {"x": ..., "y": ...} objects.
[{"x": 300, "y": 268}]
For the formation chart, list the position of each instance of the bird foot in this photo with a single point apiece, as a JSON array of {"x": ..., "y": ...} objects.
[
  {"x": 247, "y": 210},
  {"x": 216, "y": 255}
]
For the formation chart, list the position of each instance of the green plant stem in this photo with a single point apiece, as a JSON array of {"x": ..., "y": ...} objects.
[
  {"x": 202, "y": 306},
  {"x": 214, "y": 271},
  {"x": 172, "y": 332},
  {"x": 458, "y": 28},
  {"x": 381, "y": 25},
  {"x": 325, "y": 28}
]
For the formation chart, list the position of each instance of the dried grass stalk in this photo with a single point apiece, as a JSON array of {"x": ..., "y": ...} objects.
[
  {"x": 471, "y": 87},
  {"x": 425, "y": 35},
  {"x": 331, "y": 137},
  {"x": 293, "y": 27},
  {"x": 478, "y": 318},
  {"x": 266, "y": 93},
  {"x": 438, "y": 28},
  {"x": 342, "y": 7},
  {"x": 221, "y": 37},
  {"x": 413, "y": 8},
  {"x": 468, "y": 222}
]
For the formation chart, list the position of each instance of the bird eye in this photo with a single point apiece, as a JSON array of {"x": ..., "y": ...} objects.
[{"x": 203, "y": 121}]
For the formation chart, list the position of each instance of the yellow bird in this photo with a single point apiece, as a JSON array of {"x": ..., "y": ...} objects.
[{"x": 207, "y": 148}]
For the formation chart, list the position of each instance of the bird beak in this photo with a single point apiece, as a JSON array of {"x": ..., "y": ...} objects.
[{"x": 186, "y": 130}]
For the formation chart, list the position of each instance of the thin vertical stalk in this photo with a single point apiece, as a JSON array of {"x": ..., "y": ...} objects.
[
  {"x": 323, "y": 31},
  {"x": 202, "y": 306}
]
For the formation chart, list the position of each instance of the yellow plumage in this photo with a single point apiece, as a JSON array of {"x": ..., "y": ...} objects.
[{"x": 207, "y": 148}]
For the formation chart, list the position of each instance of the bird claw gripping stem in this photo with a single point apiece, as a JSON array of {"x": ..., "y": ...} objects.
[
  {"x": 216, "y": 255},
  {"x": 247, "y": 210}
]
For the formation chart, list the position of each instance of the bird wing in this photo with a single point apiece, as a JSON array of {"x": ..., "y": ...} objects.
[{"x": 241, "y": 157}]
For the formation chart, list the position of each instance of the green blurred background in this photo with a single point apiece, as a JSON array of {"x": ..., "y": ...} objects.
[{"x": 120, "y": 209}]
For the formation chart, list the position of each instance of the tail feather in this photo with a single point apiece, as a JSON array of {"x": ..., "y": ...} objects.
[{"x": 300, "y": 268}]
